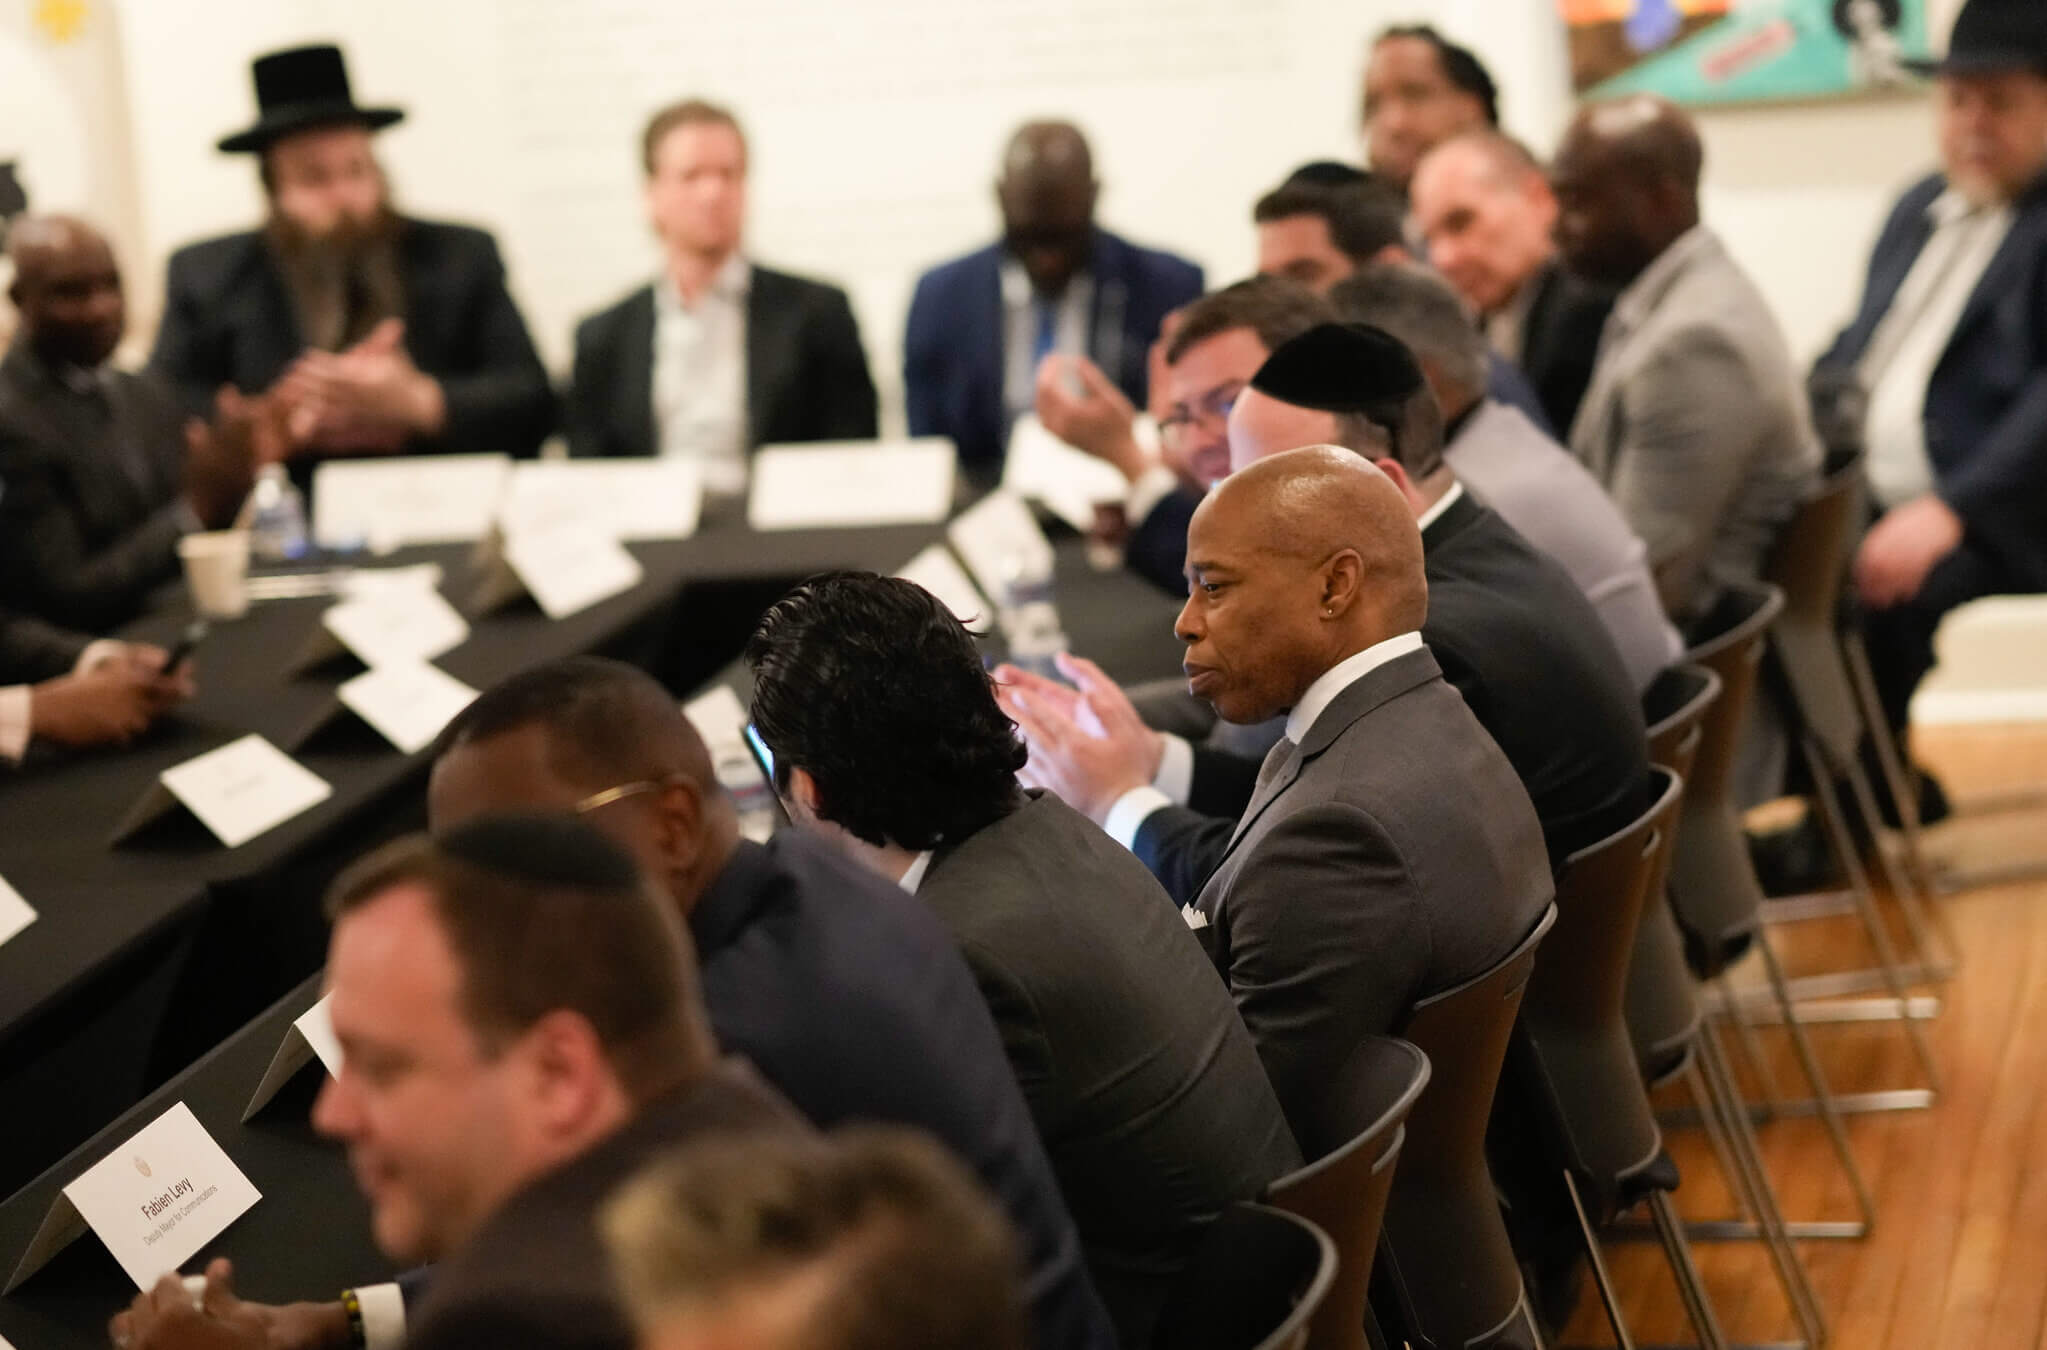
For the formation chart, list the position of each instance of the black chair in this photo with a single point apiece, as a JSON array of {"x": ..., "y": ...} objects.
[
  {"x": 1575, "y": 1084},
  {"x": 1446, "y": 1278},
  {"x": 1254, "y": 1283},
  {"x": 1662, "y": 1008},
  {"x": 1343, "y": 1191},
  {"x": 1814, "y": 691},
  {"x": 1713, "y": 888}
]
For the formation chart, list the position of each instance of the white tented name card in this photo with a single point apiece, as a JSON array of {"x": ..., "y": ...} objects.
[
  {"x": 15, "y": 913},
  {"x": 570, "y": 568},
  {"x": 719, "y": 717},
  {"x": 623, "y": 498},
  {"x": 406, "y": 702},
  {"x": 846, "y": 483},
  {"x": 999, "y": 540},
  {"x": 404, "y": 623},
  {"x": 1068, "y": 481},
  {"x": 153, "y": 1201},
  {"x": 310, "y": 1037},
  {"x": 238, "y": 791},
  {"x": 937, "y": 572},
  {"x": 420, "y": 499}
]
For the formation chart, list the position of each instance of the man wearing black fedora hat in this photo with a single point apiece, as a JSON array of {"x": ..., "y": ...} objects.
[
  {"x": 370, "y": 331},
  {"x": 1950, "y": 348}
]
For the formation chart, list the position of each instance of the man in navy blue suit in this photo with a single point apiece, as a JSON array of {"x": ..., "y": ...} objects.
[
  {"x": 980, "y": 325},
  {"x": 1950, "y": 345}
]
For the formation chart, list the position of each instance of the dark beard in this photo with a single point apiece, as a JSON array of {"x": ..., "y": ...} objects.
[{"x": 344, "y": 283}]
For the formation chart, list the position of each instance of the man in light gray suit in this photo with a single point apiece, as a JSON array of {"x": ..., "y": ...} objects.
[
  {"x": 1141, "y": 1078},
  {"x": 1516, "y": 467},
  {"x": 1389, "y": 851},
  {"x": 1695, "y": 420}
]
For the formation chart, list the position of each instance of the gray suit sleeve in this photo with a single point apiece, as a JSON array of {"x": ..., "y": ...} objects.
[
  {"x": 1324, "y": 946},
  {"x": 1691, "y": 418}
]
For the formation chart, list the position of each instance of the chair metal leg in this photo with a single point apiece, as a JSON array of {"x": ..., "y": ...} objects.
[
  {"x": 1822, "y": 1095},
  {"x": 1719, "y": 1097},
  {"x": 1921, "y": 921},
  {"x": 1745, "y": 1037},
  {"x": 1691, "y": 1289},
  {"x": 1601, "y": 1277},
  {"x": 1890, "y": 763},
  {"x": 1887, "y": 957}
]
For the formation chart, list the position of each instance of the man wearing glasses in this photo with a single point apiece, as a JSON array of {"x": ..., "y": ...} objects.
[
  {"x": 981, "y": 326},
  {"x": 1210, "y": 351}
]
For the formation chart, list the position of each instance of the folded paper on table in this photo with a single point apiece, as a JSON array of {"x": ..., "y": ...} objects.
[
  {"x": 1070, "y": 482},
  {"x": 658, "y": 498},
  {"x": 848, "y": 483},
  {"x": 416, "y": 499},
  {"x": 309, "y": 1037},
  {"x": 937, "y": 571},
  {"x": 238, "y": 791}
]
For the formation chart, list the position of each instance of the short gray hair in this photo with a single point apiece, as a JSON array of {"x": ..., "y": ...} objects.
[{"x": 1419, "y": 308}]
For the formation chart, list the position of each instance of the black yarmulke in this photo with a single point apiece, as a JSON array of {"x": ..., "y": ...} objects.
[
  {"x": 1340, "y": 368},
  {"x": 548, "y": 850}
]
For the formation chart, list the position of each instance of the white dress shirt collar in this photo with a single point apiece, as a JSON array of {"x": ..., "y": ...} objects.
[
  {"x": 914, "y": 878},
  {"x": 730, "y": 284},
  {"x": 1442, "y": 504},
  {"x": 1342, "y": 676}
]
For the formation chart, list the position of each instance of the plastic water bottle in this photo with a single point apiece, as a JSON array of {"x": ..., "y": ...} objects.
[
  {"x": 277, "y": 517},
  {"x": 1029, "y": 619}
]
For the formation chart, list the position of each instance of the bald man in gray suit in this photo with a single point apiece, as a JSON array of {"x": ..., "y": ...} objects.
[
  {"x": 1695, "y": 419},
  {"x": 1389, "y": 851}
]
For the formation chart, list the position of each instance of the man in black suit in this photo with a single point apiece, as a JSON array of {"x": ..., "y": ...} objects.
[
  {"x": 720, "y": 354},
  {"x": 1510, "y": 630},
  {"x": 1950, "y": 343},
  {"x": 65, "y": 689},
  {"x": 1389, "y": 851},
  {"x": 370, "y": 331},
  {"x": 521, "y": 1033},
  {"x": 1485, "y": 213},
  {"x": 1147, "y": 1092},
  {"x": 100, "y": 472},
  {"x": 846, "y": 993}
]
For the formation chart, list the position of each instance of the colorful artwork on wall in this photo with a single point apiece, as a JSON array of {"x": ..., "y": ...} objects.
[{"x": 1743, "y": 51}]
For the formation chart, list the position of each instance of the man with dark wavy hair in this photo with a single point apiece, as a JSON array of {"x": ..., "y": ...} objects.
[{"x": 1143, "y": 1081}]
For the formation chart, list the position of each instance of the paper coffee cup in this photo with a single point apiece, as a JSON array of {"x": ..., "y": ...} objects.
[{"x": 217, "y": 570}]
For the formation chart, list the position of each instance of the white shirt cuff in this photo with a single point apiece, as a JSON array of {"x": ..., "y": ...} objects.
[
  {"x": 1130, "y": 812},
  {"x": 1175, "y": 777},
  {"x": 1153, "y": 486},
  {"x": 97, "y": 654},
  {"x": 383, "y": 1316},
  {"x": 14, "y": 722}
]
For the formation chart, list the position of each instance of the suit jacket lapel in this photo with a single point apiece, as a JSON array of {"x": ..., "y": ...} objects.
[
  {"x": 1378, "y": 687},
  {"x": 636, "y": 375},
  {"x": 770, "y": 350},
  {"x": 2020, "y": 247}
]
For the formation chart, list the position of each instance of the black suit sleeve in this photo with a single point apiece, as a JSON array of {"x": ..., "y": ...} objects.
[
  {"x": 1222, "y": 783},
  {"x": 1182, "y": 848},
  {"x": 847, "y": 410},
  {"x": 31, "y": 650},
  {"x": 587, "y": 405},
  {"x": 183, "y": 354},
  {"x": 47, "y": 564},
  {"x": 502, "y": 401}
]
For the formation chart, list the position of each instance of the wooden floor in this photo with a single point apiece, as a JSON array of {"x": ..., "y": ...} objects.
[{"x": 1959, "y": 1254}]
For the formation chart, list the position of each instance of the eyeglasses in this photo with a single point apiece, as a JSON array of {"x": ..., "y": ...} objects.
[
  {"x": 617, "y": 794},
  {"x": 1213, "y": 406}
]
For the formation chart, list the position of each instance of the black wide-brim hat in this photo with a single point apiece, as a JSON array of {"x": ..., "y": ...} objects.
[
  {"x": 302, "y": 88},
  {"x": 1992, "y": 36}
]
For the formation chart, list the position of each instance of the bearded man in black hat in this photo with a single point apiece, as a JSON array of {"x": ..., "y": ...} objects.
[
  {"x": 1942, "y": 375},
  {"x": 367, "y": 331}
]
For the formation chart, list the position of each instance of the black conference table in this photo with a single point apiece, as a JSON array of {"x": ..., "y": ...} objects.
[
  {"x": 127, "y": 933},
  {"x": 147, "y": 954}
]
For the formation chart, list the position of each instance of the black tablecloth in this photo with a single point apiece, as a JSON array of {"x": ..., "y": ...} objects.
[{"x": 307, "y": 1237}]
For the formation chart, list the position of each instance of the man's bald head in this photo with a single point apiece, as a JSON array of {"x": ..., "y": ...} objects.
[
  {"x": 1483, "y": 207},
  {"x": 1047, "y": 194},
  {"x": 1627, "y": 185},
  {"x": 67, "y": 288},
  {"x": 601, "y": 739},
  {"x": 1296, "y": 562}
]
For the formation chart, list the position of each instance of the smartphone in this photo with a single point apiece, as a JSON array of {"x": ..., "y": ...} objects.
[
  {"x": 762, "y": 756},
  {"x": 188, "y": 642}
]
